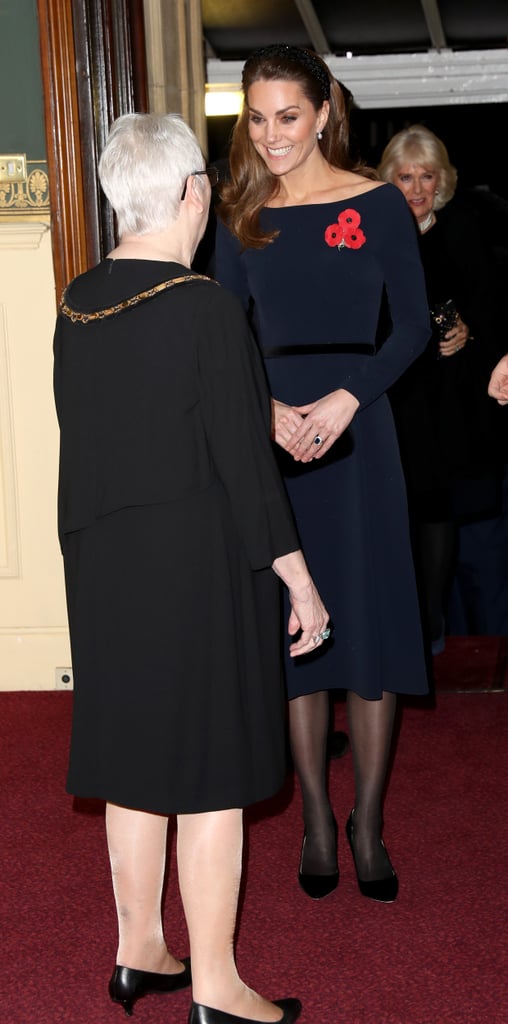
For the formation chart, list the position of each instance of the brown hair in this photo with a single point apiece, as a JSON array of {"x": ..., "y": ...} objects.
[{"x": 251, "y": 184}]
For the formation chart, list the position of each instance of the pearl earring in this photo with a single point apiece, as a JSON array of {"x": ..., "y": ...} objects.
[{"x": 320, "y": 135}]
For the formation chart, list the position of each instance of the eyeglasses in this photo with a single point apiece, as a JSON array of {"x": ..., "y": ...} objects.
[{"x": 212, "y": 174}]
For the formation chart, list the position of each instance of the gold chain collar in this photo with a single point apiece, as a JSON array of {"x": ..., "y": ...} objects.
[{"x": 134, "y": 300}]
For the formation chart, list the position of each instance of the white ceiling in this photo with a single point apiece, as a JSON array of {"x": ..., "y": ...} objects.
[{"x": 394, "y": 53}]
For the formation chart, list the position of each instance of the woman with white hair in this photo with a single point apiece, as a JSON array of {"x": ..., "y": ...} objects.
[{"x": 172, "y": 543}]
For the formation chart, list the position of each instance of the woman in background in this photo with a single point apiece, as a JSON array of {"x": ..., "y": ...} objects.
[
  {"x": 172, "y": 543},
  {"x": 310, "y": 243},
  {"x": 450, "y": 444}
]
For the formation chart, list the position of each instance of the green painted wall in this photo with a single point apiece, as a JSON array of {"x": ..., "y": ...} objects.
[{"x": 22, "y": 109}]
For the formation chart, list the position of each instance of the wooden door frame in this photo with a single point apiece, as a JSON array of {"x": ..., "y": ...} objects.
[{"x": 93, "y": 69}]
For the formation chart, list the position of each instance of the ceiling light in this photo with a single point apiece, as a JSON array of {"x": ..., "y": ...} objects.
[{"x": 223, "y": 99}]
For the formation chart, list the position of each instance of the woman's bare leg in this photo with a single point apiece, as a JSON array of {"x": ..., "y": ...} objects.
[
  {"x": 209, "y": 852},
  {"x": 370, "y": 734},
  {"x": 137, "y": 852}
]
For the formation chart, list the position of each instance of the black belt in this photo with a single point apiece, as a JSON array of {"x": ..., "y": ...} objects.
[{"x": 356, "y": 348}]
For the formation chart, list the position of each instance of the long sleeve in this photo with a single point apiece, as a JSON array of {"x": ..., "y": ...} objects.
[
  {"x": 236, "y": 411},
  {"x": 408, "y": 328},
  {"x": 303, "y": 292}
]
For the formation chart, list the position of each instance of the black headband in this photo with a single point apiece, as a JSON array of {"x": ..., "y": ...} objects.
[{"x": 298, "y": 55}]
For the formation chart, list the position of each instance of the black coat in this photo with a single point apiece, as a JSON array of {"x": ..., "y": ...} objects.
[
  {"x": 171, "y": 512},
  {"x": 451, "y": 433}
]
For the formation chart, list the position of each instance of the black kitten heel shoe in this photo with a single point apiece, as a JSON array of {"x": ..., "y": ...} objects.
[
  {"x": 317, "y": 886},
  {"x": 384, "y": 890},
  {"x": 127, "y": 985},
  {"x": 291, "y": 1010}
]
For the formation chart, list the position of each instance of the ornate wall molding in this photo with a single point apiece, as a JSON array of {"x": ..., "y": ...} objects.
[
  {"x": 9, "y": 528},
  {"x": 29, "y": 199}
]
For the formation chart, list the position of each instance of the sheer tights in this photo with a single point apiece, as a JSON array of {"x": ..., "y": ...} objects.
[
  {"x": 308, "y": 731},
  {"x": 370, "y": 733}
]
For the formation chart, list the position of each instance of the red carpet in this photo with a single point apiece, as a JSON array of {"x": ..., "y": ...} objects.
[
  {"x": 472, "y": 663},
  {"x": 436, "y": 956}
]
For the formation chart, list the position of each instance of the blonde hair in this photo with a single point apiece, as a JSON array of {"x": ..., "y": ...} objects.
[{"x": 419, "y": 145}]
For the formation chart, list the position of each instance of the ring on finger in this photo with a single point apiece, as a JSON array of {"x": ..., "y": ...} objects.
[
  {"x": 325, "y": 633},
  {"x": 318, "y": 439}
]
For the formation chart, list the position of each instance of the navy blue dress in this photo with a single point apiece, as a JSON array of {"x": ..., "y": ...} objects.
[{"x": 316, "y": 295}]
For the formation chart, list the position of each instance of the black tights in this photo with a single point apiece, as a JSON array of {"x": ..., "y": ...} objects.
[{"x": 370, "y": 733}]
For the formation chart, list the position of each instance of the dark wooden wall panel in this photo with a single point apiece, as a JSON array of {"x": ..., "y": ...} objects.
[
  {"x": 94, "y": 69},
  {"x": 63, "y": 143}
]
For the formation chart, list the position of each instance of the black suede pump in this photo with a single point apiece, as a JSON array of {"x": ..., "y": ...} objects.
[
  {"x": 317, "y": 886},
  {"x": 384, "y": 890}
]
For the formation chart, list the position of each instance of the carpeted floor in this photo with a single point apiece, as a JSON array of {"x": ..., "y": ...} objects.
[
  {"x": 435, "y": 956},
  {"x": 472, "y": 664}
]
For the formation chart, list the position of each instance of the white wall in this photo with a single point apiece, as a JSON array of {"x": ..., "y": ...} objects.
[{"x": 33, "y": 622}]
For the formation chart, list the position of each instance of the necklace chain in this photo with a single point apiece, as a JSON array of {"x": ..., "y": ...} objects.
[
  {"x": 424, "y": 224},
  {"x": 134, "y": 300}
]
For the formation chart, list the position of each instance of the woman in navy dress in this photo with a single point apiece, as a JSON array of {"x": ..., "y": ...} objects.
[{"x": 314, "y": 248}]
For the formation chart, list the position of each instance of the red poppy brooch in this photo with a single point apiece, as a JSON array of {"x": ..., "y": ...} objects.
[{"x": 346, "y": 233}]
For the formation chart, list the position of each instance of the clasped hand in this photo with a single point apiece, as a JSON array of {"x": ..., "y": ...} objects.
[
  {"x": 454, "y": 339},
  {"x": 308, "y": 431}
]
